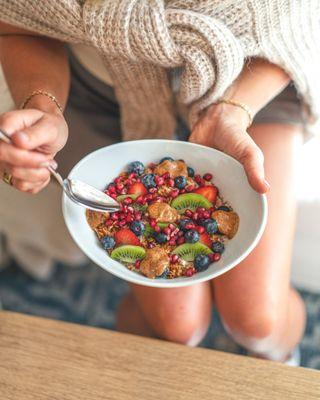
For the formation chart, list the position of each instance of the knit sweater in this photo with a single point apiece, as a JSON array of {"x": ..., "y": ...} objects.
[{"x": 208, "y": 40}]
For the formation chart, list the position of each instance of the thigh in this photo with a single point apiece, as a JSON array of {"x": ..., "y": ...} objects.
[{"x": 262, "y": 280}]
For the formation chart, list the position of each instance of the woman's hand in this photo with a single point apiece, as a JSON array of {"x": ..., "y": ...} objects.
[
  {"x": 36, "y": 138},
  {"x": 223, "y": 127}
]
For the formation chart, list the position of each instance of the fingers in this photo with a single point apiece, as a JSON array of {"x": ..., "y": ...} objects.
[
  {"x": 252, "y": 160},
  {"x": 14, "y": 121},
  {"x": 29, "y": 187},
  {"x": 34, "y": 175},
  {"x": 21, "y": 158}
]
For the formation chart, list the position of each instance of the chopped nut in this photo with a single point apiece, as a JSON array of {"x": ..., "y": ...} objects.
[
  {"x": 155, "y": 262},
  {"x": 96, "y": 218},
  {"x": 228, "y": 222},
  {"x": 175, "y": 168},
  {"x": 163, "y": 212}
]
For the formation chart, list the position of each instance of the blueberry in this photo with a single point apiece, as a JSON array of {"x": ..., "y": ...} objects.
[
  {"x": 137, "y": 167},
  {"x": 201, "y": 262},
  {"x": 217, "y": 247},
  {"x": 164, "y": 274},
  {"x": 183, "y": 222},
  {"x": 148, "y": 181},
  {"x": 191, "y": 236},
  {"x": 190, "y": 172},
  {"x": 211, "y": 225},
  {"x": 166, "y": 158},
  {"x": 137, "y": 227},
  {"x": 161, "y": 237},
  {"x": 108, "y": 242},
  {"x": 224, "y": 208},
  {"x": 180, "y": 182}
]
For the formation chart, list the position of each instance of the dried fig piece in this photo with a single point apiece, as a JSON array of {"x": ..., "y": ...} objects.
[
  {"x": 163, "y": 212},
  {"x": 155, "y": 262},
  {"x": 228, "y": 222},
  {"x": 174, "y": 168}
]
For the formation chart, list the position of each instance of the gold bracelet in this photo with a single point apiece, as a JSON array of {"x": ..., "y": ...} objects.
[
  {"x": 240, "y": 105},
  {"x": 42, "y": 93}
]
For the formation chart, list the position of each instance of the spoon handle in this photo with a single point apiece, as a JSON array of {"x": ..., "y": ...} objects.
[{"x": 6, "y": 138}]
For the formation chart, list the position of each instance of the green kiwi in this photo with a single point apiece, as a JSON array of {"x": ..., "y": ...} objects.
[
  {"x": 190, "y": 201},
  {"x": 128, "y": 253},
  {"x": 124, "y": 196},
  {"x": 188, "y": 251}
]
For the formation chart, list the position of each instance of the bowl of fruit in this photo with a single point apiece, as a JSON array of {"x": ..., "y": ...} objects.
[{"x": 187, "y": 212}]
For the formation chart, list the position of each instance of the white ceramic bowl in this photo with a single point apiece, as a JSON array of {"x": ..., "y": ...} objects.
[{"x": 103, "y": 165}]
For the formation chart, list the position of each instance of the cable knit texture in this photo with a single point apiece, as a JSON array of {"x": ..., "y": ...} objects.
[{"x": 140, "y": 40}]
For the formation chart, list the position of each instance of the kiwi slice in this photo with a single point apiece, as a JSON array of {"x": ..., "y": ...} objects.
[
  {"x": 128, "y": 253},
  {"x": 124, "y": 196},
  {"x": 188, "y": 251},
  {"x": 190, "y": 201}
]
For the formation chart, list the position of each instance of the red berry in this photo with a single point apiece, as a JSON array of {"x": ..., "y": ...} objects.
[
  {"x": 174, "y": 258},
  {"x": 206, "y": 215},
  {"x": 188, "y": 213},
  {"x": 122, "y": 223},
  {"x": 130, "y": 209},
  {"x": 180, "y": 233},
  {"x": 200, "y": 229},
  {"x": 108, "y": 222},
  {"x": 138, "y": 217},
  {"x": 201, "y": 210},
  {"x": 195, "y": 216},
  {"x": 118, "y": 179},
  {"x": 137, "y": 264},
  {"x": 197, "y": 178},
  {"x": 216, "y": 256},
  {"x": 167, "y": 230},
  {"x": 182, "y": 191},
  {"x": 139, "y": 199},
  {"x": 112, "y": 189},
  {"x": 166, "y": 175},
  {"x": 132, "y": 175},
  {"x": 113, "y": 195},
  {"x": 170, "y": 182},
  {"x": 189, "y": 188},
  {"x": 171, "y": 226},
  {"x": 126, "y": 236},
  {"x": 190, "y": 225},
  {"x": 138, "y": 189},
  {"x": 157, "y": 228},
  {"x": 115, "y": 216},
  {"x": 129, "y": 218},
  {"x": 174, "y": 193},
  {"x": 153, "y": 223},
  {"x": 172, "y": 242},
  {"x": 123, "y": 191},
  {"x": 128, "y": 200},
  {"x": 189, "y": 272},
  {"x": 159, "y": 180},
  {"x": 205, "y": 239},
  {"x": 209, "y": 192},
  {"x": 148, "y": 197},
  {"x": 180, "y": 240},
  {"x": 207, "y": 177},
  {"x": 153, "y": 190},
  {"x": 119, "y": 186}
]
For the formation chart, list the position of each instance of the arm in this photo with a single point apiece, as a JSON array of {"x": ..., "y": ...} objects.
[
  {"x": 224, "y": 126},
  {"x": 29, "y": 63}
]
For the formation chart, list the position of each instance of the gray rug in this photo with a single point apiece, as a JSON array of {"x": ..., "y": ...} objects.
[{"x": 90, "y": 296}]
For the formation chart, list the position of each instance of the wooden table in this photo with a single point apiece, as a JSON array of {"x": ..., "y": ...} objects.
[{"x": 45, "y": 359}]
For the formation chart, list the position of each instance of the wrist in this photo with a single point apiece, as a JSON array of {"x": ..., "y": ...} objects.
[
  {"x": 44, "y": 103},
  {"x": 229, "y": 113}
]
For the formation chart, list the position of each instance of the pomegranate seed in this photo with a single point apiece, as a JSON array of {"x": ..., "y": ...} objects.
[
  {"x": 128, "y": 200},
  {"x": 108, "y": 222},
  {"x": 159, "y": 199},
  {"x": 137, "y": 264},
  {"x": 122, "y": 223},
  {"x": 216, "y": 256},
  {"x": 206, "y": 215},
  {"x": 200, "y": 229},
  {"x": 180, "y": 233},
  {"x": 130, "y": 209},
  {"x": 159, "y": 180},
  {"x": 111, "y": 189},
  {"x": 157, "y": 228},
  {"x": 188, "y": 213},
  {"x": 120, "y": 186},
  {"x": 151, "y": 165},
  {"x": 115, "y": 216},
  {"x": 167, "y": 231},
  {"x": 153, "y": 190},
  {"x": 166, "y": 175},
  {"x": 122, "y": 216},
  {"x": 118, "y": 179},
  {"x": 171, "y": 226},
  {"x": 174, "y": 258},
  {"x": 197, "y": 178},
  {"x": 189, "y": 272},
  {"x": 195, "y": 216},
  {"x": 172, "y": 242},
  {"x": 148, "y": 197},
  {"x": 132, "y": 175},
  {"x": 170, "y": 182},
  {"x": 182, "y": 191},
  {"x": 129, "y": 218},
  {"x": 113, "y": 195},
  {"x": 190, "y": 225},
  {"x": 123, "y": 191},
  {"x": 189, "y": 188},
  {"x": 153, "y": 222},
  {"x": 211, "y": 256},
  {"x": 180, "y": 240},
  {"x": 140, "y": 199},
  {"x": 201, "y": 210},
  {"x": 174, "y": 193},
  {"x": 207, "y": 177}
]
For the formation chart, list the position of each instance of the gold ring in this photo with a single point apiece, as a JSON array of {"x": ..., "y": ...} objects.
[{"x": 7, "y": 178}]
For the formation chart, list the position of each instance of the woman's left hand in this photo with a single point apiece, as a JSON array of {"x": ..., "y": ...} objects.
[{"x": 223, "y": 127}]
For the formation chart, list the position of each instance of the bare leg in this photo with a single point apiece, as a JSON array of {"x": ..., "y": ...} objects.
[
  {"x": 255, "y": 301},
  {"x": 178, "y": 315}
]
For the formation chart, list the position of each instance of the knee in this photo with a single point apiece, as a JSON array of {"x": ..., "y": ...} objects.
[
  {"x": 253, "y": 329},
  {"x": 189, "y": 331}
]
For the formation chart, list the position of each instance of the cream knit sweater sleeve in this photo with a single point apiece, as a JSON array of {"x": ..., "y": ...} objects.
[{"x": 208, "y": 39}]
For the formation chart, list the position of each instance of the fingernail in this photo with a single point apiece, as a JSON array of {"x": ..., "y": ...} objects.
[
  {"x": 52, "y": 163},
  {"x": 267, "y": 184},
  {"x": 22, "y": 136}
]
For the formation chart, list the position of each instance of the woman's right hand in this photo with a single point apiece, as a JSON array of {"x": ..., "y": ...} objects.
[{"x": 36, "y": 138}]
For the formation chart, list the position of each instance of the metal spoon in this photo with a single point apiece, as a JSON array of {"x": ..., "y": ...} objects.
[{"x": 79, "y": 192}]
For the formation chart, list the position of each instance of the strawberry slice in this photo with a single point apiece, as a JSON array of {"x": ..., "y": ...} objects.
[
  {"x": 209, "y": 192},
  {"x": 205, "y": 239},
  {"x": 138, "y": 189},
  {"x": 126, "y": 236}
]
